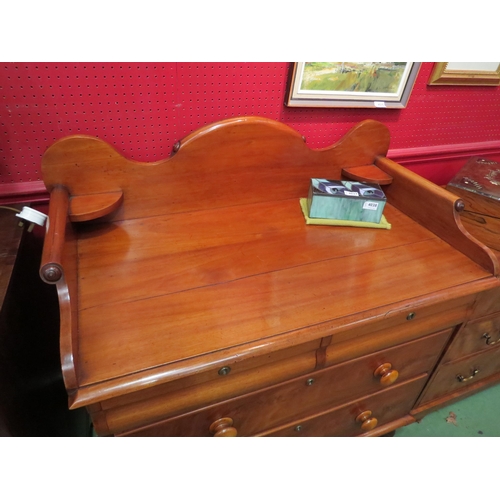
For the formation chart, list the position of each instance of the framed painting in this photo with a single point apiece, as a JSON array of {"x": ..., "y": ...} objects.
[
  {"x": 351, "y": 84},
  {"x": 465, "y": 73}
]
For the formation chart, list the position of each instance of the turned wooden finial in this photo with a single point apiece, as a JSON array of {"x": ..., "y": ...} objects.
[{"x": 51, "y": 269}]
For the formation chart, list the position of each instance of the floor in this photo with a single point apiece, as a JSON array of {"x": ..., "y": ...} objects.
[{"x": 475, "y": 416}]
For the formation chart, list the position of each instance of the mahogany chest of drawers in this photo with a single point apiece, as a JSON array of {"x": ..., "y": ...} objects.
[{"x": 195, "y": 301}]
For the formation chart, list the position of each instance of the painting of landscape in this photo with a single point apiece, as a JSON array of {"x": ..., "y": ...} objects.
[{"x": 376, "y": 77}]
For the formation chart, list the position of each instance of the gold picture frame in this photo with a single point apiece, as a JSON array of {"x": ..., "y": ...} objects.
[
  {"x": 477, "y": 73},
  {"x": 351, "y": 84}
]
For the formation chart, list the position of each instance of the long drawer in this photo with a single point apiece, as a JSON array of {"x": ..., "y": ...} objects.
[
  {"x": 220, "y": 383},
  {"x": 357, "y": 417},
  {"x": 310, "y": 394}
]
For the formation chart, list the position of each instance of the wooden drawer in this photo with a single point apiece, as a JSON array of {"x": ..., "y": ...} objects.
[
  {"x": 309, "y": 394},
  {"x": 197, "y": 391},
  {"x": 455, "y": 377},
  {"x": 397, "y": 327},
  {"x": 487, "y": 301},
  {"x": 385, "y": 406},
  {"x": 473, "y": 337}
]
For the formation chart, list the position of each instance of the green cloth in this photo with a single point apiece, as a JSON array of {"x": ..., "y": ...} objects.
[{"x": 383, "y": 224}]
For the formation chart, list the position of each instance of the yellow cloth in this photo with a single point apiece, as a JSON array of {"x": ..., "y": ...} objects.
[{"x": 383, "y": 224}]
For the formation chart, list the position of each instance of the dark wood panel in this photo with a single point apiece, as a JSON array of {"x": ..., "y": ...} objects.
[{"x": 10, "y": 239}]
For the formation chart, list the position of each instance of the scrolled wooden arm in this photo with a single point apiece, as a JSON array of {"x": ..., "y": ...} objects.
[
  {"x": 408, "y": 192},
  {"x": 51, "y": 269}
]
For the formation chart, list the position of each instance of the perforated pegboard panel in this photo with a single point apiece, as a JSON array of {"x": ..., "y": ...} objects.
[{"x": 144, "y": 108}]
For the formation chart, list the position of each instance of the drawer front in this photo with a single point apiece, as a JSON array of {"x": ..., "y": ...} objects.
[
  {"x": 311, "y": 394},
  {"x": 475, "y": 336},
  {"x": 457, "y": 376},
  {"x": 370, "y": 412},
  {"x": 190, "y": 393},
  {"x": 401, "y": 325},
  {"x": 488, "y": 301}
]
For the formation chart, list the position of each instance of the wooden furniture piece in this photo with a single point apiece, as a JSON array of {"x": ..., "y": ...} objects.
[
  {"x": 33, "y": 399},
  {"x": 195, "y": 301}
]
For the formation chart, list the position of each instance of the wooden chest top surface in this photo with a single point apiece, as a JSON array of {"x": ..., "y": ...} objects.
[{"x": 177, "y": 287}]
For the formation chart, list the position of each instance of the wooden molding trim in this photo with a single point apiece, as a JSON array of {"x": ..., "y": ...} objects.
[
  {"x": 23, "y": 192},
  {"x": 447, "y": 152}
]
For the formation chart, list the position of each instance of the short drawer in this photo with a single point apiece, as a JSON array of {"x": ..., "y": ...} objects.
[
  {"x": 306, "y": 395},
  {"x": 475, "y": 336},
  {"x": 403, "y": 324},
  {"x": 455, "y": 377},
  {"x": 359, "y": 416}
]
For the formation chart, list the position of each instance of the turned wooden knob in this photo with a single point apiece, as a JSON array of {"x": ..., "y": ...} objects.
[
  {"x": 223, "y": 428},
  {"x": 367, "y": 421},
  {"x": 51, "y": 273},
  {"x": 387, "y": 375}
]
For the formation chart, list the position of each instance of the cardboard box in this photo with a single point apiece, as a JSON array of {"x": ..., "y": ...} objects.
[{"x": 345, "y": 200}]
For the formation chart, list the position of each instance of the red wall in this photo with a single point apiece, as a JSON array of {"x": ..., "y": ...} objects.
[{"x": 144, "y": 108}]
